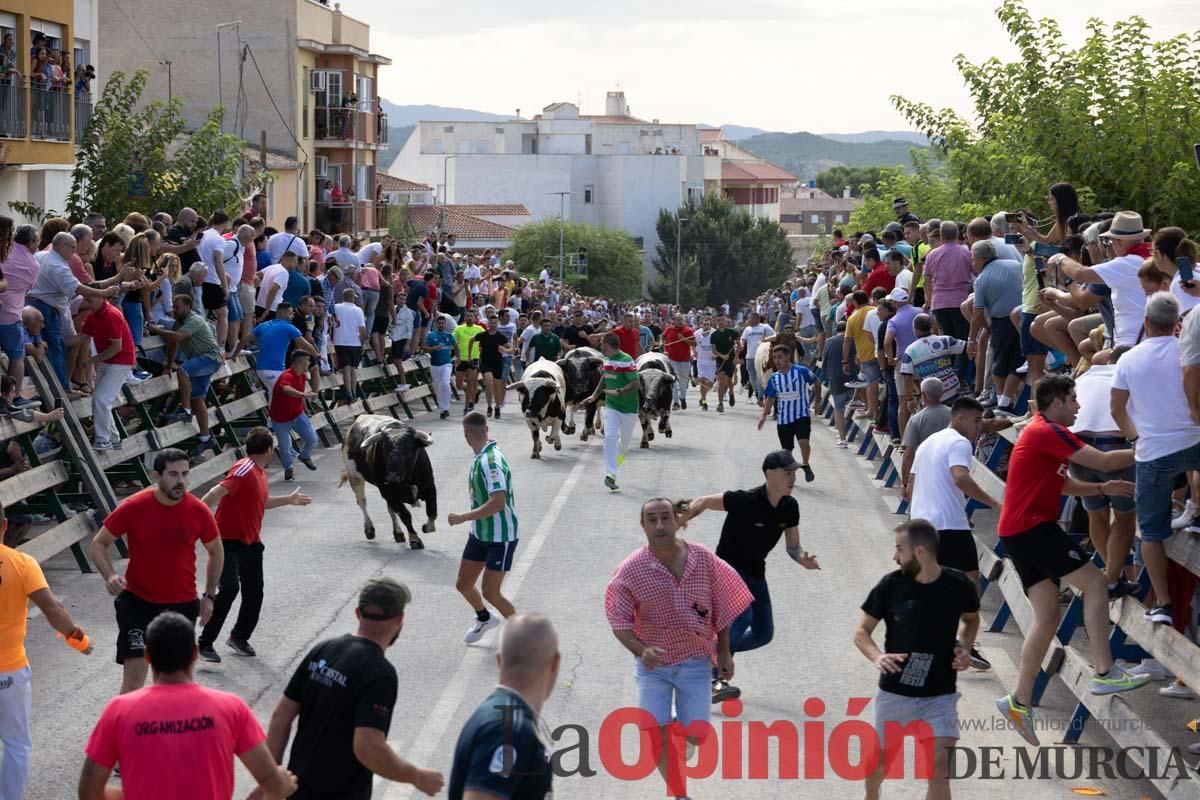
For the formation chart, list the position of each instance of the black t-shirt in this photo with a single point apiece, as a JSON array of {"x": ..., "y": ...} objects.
[
  {"x": 489, "y": 347},
  {"x": 577, "y": 336},
  {"x": 417, "y": 291},
  {"x": 344, "y": 683},
  {"x": 178, "y": 235},
  {"x": 560, "y": 330},
  {"x": 500, "y": 753},
  {"x": 922, "y": 621},
  {"x": 752, "y": 528}
]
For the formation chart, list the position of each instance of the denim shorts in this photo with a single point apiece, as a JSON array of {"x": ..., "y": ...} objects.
[
  {"x": 686, "y": 685},
  {"x": 1029, "y": 345},
  {"x": 842, "y": 399},
  {"x": 10, "y": 341},
  {"x": 234, "y": 305},
  {"x": 200, "y": 369},
  {"x": 1081, "y": 473},
  {"x": 871, "y": 370},
  {"x": 1155, "y": 484},
  {"x": 939, "y": 712}
]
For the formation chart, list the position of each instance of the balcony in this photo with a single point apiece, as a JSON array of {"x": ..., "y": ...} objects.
[
  {"x": 350, "y": 217},
  {"x": 83, "y": 114},
  {"x": 49, "y": 112},
  {"x": 350, "y": 125},
  {"x": 12, "y": 109}
]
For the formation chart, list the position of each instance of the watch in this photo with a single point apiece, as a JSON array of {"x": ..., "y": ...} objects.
[{"x": 209, "y": 596}]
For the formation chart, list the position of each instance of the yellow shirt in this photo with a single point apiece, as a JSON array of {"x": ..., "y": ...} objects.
[
  {"x": 20, "y": 576},
  {"x": 468, "y": 350},
  {"x": 864, "y": 341}
]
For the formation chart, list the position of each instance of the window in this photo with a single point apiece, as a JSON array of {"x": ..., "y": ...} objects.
[
  {"x": 587, "y": 195},
  {"x": 52, "y": 32},
  {"x": 322, "y": 170},
  {"x": 366, "y": 95},
  {"x": 448, "y": 129},
  {"x": 363, "y": 189},
  {"x": 815, "y": 219},
  {"x": 587, "y": 144},
  {"x": 499, "y": 130},
  {"x": 308, "y": 76},
  {"x": 839, "y": 218}
]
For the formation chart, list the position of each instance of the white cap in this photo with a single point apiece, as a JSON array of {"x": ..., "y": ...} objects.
[{"x": 898, "y": 295}]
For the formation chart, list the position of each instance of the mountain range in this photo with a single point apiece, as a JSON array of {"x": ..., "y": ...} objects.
[{"x": 803, "y": 154}]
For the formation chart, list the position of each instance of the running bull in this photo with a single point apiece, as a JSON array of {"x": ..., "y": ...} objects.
[
  {"x": 657, "y": 384},
  {"x": 390, "y": 455},
  {"x": 583, "y": 370},
  {"x": 543, "y": 401}
]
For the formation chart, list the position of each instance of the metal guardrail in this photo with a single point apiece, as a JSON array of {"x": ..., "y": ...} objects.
[
  {"x": 83, "y": 114},
  {"x": 12, "y": 109},
  {"x": 49, "y": 113}
]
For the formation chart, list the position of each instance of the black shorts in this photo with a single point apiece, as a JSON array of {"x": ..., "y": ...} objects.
[
  {"x": 1006, "y": 348},
  {"x": 956, "y": 549},
  {"x": 381, "y": 325},
  {"x": 496, "y": 556},
  {"x": 797, "y": 430},
  {"x": 467, "y": 366},
  {"x": 212, "y": 296},
  {"x": 399, "y": 349},
  {"x": 347, "y": 356},
  {"x": 495, "y": 369},
  {"x": 134, "y": 615},
  {"x": 726, "y": 368},
  {"x": 1044, "y": 552}
]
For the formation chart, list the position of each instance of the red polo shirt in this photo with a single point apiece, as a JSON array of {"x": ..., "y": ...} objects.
[
  {"x": 240, "y": 512},
  {"x": 629, "y": 339},
  {"x": 674, "y": 343},
  {"x": 879, "y": 276},
  {"x": 107, "y": 324},
  {"x": 284, "y": 407}
]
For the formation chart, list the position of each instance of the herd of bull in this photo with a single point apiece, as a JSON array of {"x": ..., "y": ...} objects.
[{"x": 391, "y": 455}]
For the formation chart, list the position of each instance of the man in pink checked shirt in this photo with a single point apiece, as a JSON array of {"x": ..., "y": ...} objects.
[{"x": 671, "y": 603}]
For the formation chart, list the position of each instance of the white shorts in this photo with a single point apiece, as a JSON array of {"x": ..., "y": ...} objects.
[{"x": 706, "y": 370}]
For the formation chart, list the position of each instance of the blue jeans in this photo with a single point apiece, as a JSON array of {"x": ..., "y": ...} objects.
[
  {"x": 1155, "y": 483},
  {"x": 56, "y": 348},
  {"x": 755, "y": 626},
  {"x": 132, "y": 309},
  {"x": 301, "y": 425},
  {"x": 685, "y": 686},
  {"x": 893, "y": 403}
]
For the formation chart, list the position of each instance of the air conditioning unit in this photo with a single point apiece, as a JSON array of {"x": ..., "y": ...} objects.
[
  {"x": 322, "y": 166},
  {"x": 317, "y": 81}
]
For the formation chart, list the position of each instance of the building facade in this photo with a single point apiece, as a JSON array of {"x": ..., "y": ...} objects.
[
  {"x": 43, "y": 110},
  {"x": 614, "y": 170},
  {"x": 309, "y": 81},
  {"x": 812, "y": 212},
  {"x": 752, "y": 183}
]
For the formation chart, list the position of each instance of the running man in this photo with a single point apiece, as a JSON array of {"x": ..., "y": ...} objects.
[
  {"x": 754, "y": 521},
  {"x": 494, "y": 348},
  {"x": 241, "y": 499},
  {"x": 724, "y": 346},
  {"x": 706, "y": 364},
  {"x": 493, "y": 538},
  {"x": 161, "y": 525},
  {"x": 1044, "y": 555},
  {"x": 788, "y": 392},
  {"x": 923, "y": 605},
  {"x": 443, "y": 350},
  {"x": 466, "y": 374},
  {"x": 620, "y": 388},
  {"x": 678, "y": 341}
]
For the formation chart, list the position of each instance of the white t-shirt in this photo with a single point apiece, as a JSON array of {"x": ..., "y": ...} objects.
[
  {"x": 872, "y": 322},
  {"x": 1186, "y": 301},
  {"x": 210, "y": 248},
  {"x": 365, "y": 254},
  {"x": 527, "y": 334},
  {"x": 1128, "y": 297},
  {"x": 281, "y": 242},
  {"x": 231, "y": 252},
  {"x": 904, "y": 280},
  {"x": 350, "y": 319},
  {"x": 935, "y": 496},
  {"x": 544, "y": 277},
  {"x": 275, "y": 274},
  {"x": 804, "y": 313},
  {"x": 471, "y": 275},
  {"x": 704, "y": 351},
  {"x": 345, "y": 257},
  {"x": 1151, "y": 373},
  {"x": 1093, "y": 390},
  {"x": 753, "y": 335}
]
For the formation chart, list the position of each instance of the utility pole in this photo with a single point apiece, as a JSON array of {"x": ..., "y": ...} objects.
[
  {"x": 170, "y": 92},
  {"x": 678, "y": 260},
  {"x": 220, "y": 95},
  {"x": 445, "y": 193},
  {"x": 562, "y": 204}
]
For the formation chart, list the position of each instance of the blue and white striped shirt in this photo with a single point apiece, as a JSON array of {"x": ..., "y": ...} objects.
[{"x": 791, "y": 392}]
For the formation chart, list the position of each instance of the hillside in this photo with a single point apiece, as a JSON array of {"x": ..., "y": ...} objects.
[
  {"x": 868, "y": 137},
  {"x": 401, "y": 116},
  {"x": 806, "y": 154}
]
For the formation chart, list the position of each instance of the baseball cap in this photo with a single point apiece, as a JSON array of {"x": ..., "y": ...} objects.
[
  {"x": 384, "y": 597},
  {"x": 898, "y": 295},
  {"x": 780, "y": 459}
]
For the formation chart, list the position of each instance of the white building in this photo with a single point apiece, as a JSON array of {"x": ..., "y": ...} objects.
[{"x": 617, "y": 170}]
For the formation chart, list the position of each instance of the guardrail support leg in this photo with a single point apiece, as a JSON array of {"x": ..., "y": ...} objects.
[{"x": 1075, "y": 727}]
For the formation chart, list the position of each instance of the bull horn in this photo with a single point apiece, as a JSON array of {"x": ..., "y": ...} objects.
[
  {"x": 512, "y": 387},
  {"x": 422, "y": 436},
  {"x": 370, "y": 439}
]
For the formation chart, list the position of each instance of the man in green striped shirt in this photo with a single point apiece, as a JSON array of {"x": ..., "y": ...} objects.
[
  {"x": 493, "y": 537},
  {"x": 620, "y": 388}
]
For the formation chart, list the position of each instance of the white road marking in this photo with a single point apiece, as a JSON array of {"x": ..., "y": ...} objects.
[{"x": 436, "y": 724}]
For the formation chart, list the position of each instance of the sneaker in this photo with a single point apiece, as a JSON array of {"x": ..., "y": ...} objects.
[
  {"x": 444, "y": 415},
  {"x": 116, "y": 444},
  {"x": 842, "y": 443},
  {"x": 477, "y": 630},
  {"x": 1021, "y": 718},
  {"x": 33, "y": 402},
  {"x": 988, "y": 402},
  {"x": 809, "y": 475},
  {"x": 1150, "y": 668},
  {"x": 208, "y": 654},
  {"x": 1177, "y": 691},
  {"x": 1006, "y": 412},
  {"x": 308, "y": 462},
  {"x": 1117, "y": 680},
  {"x": 1185, "y": 517},
  {"x": 720, "y": 409},
  {"x": 289, "y": 474},
  {"x": 724, "y": 690},
  {"x": 179, "y": 415},
  {"x": 241, "y": 647},
  {"x": 611, "y": 482},
  {"x": 1160, "y": 615},
  {"x": 977, "y": 659},
  {"x": 674, "y": 406},
  {"x": 683, "y": 405},
  {"x": 100, "y": 447},
  {"x": 489, "y": 411},
  {"x": 202, "y": 447},
  {"x": 855, "y": 384},
  {"x": 1122, "y": 588},
  {"x": 497, "y": 413},
  {"x": 1194, "y": 748},
  {"x": 731, "y": 399},
  {"x": 703, "y": 406}
]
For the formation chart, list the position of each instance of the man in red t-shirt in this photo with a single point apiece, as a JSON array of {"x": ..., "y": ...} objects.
[
  {"x": 287, "y": 414},
  {"x": 1041, "y": 551},
  {"x": 178, "y": 733},
  {"x": 878, "y": 275},
  {"x": 161, "y": 525},
  {"x": 628, "y": 333},
  {"x": 678, "y": 341},
  {"x": 114, "y": 362},
  {"x": 241, "y": 500}
]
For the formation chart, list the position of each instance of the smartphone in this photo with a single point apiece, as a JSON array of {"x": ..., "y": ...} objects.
[
  {"x": 1186, "y": 270},
  {"x": 1045, "y": 250},
  {"x": 1039, "y": 264},
  {"x": 1012, "y": 238}
]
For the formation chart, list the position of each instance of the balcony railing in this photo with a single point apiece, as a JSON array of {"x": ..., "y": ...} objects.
[
  {"x": 352, "y": 218},
  {"x": 12, "y": 108},
  {"x": 50, "y": 112},
  {"x": 382, "y": 129},
  {"x": 348, "y": 125},
  {"x": 83, "y": 114}
]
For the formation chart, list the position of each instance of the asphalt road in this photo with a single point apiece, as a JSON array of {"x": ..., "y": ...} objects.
[{"x": 574, "y": 533}]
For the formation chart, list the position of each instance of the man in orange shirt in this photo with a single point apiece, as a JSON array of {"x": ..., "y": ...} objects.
[{"x": 21, "y": 580}]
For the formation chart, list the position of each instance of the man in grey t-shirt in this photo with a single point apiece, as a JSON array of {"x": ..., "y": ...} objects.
[{"x": 934, "y": 416}]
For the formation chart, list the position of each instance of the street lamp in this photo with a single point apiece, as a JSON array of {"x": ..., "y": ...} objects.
[
  {"x": 445, "y": 191},
  {"x": 562, "y": 205},
  {"x": 678, "y": 226}
]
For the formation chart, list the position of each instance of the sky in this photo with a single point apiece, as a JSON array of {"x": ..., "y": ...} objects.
[{"x": 815, "y": 65}]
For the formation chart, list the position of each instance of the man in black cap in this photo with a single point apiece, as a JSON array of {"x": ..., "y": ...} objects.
[
  {"x": 903, "y": 215},
  {"x": 754, "y": 521},
  {"x": 344, "y": 692}
]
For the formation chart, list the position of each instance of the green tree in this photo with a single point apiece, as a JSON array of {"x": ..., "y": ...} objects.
[
  {"x": 125, "y": 161},
  {"x": 738, "y": 256},
  {"x": 1117, "y": 117},
  {"x": 832, "y": 181},
  {"x": 614, "y": 263}
]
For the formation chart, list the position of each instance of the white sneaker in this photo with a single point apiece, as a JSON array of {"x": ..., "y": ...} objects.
[
  {"x": 476, "y": 631},
  {"x": 1152, "y": 668},
  {"x": 842, "y": 443},
  {"x": 1185, "y": 516},
  {"x": 1194, "y": 748},
  {"x": 1178, "y": 691}
]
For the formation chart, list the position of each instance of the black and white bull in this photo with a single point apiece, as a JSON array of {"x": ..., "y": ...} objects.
[
  {"x": 542, "y": 390},
  {"x": 657, "y": 388},
  {"x": 583, "y": 369},
  {"x": 390, "y": 455}
]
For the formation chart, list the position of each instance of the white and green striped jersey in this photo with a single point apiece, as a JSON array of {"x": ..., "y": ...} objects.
[{"x": 490, "y": 473}]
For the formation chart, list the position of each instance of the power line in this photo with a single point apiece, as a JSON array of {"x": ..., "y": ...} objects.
[
  {"x": 275, "y": 105},
  {"x": 157, "y": 57}
]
